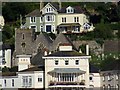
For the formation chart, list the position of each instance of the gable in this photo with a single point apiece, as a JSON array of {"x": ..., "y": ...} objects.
[{"x": 49, "y": 8}]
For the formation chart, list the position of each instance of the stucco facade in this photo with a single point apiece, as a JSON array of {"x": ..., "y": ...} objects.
[{"x": 52, "y": 19}]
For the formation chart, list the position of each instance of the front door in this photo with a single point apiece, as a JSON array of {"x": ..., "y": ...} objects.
[{"x": 48, "y": 28}]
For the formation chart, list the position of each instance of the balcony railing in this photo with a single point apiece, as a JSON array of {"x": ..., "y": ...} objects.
[{"x": 66, "y": 83}]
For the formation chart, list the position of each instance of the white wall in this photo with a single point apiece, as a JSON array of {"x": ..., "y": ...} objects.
[
  {"x": 9, "y": 82},
  {"x": 34, "y": 75},
  {"x": 95, "y": 82},
  {"x": 8, "y": 57},
  {"x": 50, "y": 65}
]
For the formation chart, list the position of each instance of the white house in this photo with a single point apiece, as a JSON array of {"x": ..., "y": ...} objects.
[
  {"x": 23, "y": 62},
  {"x": 66, "y": 69},
  {"x": 32, "y": 78},
  {"x": 54, "y": 18},
  {"x": 5, "y": 55}
]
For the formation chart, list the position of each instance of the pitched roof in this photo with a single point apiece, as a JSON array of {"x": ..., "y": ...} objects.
[
  {"x": 35, "y": 13},
  {"x": 65, "y": 54},
  {"x": 37, "y": 59},
  {"x": 77, "y": 9},
  {"x": 36, "y": 68},
  {"x": 67, "y": 70},
  {"x": 44, "y": 39},
  {"x": 61, "y": 38}
]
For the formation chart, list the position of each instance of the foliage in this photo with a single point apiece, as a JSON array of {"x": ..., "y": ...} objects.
[
  {"x": 82, "y": 48},
  {"x": 13, "y": 10},
  {"x": 103, "y": 31},
  {"x": 5, "y": 69}
]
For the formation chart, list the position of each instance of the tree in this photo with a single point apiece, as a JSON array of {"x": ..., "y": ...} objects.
[{"x": 103, "y": 31}]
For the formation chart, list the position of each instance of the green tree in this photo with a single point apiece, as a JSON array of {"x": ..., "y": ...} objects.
[{"x": 103, "y": 31}]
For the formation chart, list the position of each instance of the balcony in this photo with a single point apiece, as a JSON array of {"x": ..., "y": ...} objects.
[{"x": 67, "y": 84}]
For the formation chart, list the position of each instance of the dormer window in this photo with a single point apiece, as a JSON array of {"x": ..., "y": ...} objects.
[
  {"x": 69, "y": 9},
  {"x": 49, "y": 9}
]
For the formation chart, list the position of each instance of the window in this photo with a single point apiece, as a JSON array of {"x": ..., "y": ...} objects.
[
  {"x": 5, "y": 83},
  {"x": 77, "y": 62},
  {"x": 69, "y": 9},
  {"x": 86, "y": 26},
  {"x": 76, "y": 19},
  {"x": 109, "y": 77},
  {"x": 66, "y": 62},
  {"x": 50, "y": 18},
  {"x": 49, "y": 9},
  {"x": 27, "y": 81},
  {"x": 39, "y": 79},
  {"x": 91, "y": 78},
  {"x": 41, "y": 28},
  {"x": 103, "y": 78},
  {"x": 33, "y": 27},
  {"x": 12, "y": 82},
  {"x": 63, "y": 19},
  {"x": 32, "y": 19},
  {"x": 23, "y": 35},
  {"x": 41, "y": 19},
  {"x": 56, "y": 62},
  {"x": 116, "y": 76}
]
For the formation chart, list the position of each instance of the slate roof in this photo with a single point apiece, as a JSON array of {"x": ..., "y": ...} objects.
[
  {"x": 93, "y": 69},
  {"x": 77, "y": 9},
  {"x": 37, "y": 59},
  {"x": 61, "y": 38},
  {"x": 67, "y": 70},
  {"x": 36, "y": 68},
  {"x": 9, "y": 74},
  {"x": 35, "y": 13},
  {"x": 65, "y": 54},
  {"x": 44, "y": 39}
]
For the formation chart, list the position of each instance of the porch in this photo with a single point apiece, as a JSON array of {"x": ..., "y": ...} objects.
[
  {"x": 66, "y": 77},
  {"x": 69, "y": 28}
]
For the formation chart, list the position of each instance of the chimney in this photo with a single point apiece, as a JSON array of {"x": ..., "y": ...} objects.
[
  {"x": 60, "y": 4},
  {"x": 87, "y": 49},
  {"x": 65, "y": 47},
  {"x": 41, "y": 4}
]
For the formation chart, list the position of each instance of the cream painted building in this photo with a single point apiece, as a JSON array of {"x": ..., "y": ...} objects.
[
  {"x": 53, "y": 18},
  {"x": 66, "y": 69}
]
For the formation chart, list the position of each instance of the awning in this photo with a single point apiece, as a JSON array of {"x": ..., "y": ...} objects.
[
  {"x": 67, "y": 70},
  {"x": 69, "y": 24}
]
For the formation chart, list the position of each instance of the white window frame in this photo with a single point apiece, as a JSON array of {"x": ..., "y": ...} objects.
[
  {"x": 51, "y": 18},
  {"x": 41, "y": 28},
  {"x": 13, "y": 82},
  {"x": 77, "y": 62},
  {"x": 116, "y": 76},
  {"x": 56, "y": 62},
  {"x": 26, "y": 81},
  {"x": 34, "y": 20},
  {"x": 41, "y": 19},
  {"x": 40, "y": 79},
  {"x": 53, "y": 28},
  {"x": 64, "y": 19},
  {"x": 66, "y": 62}
]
